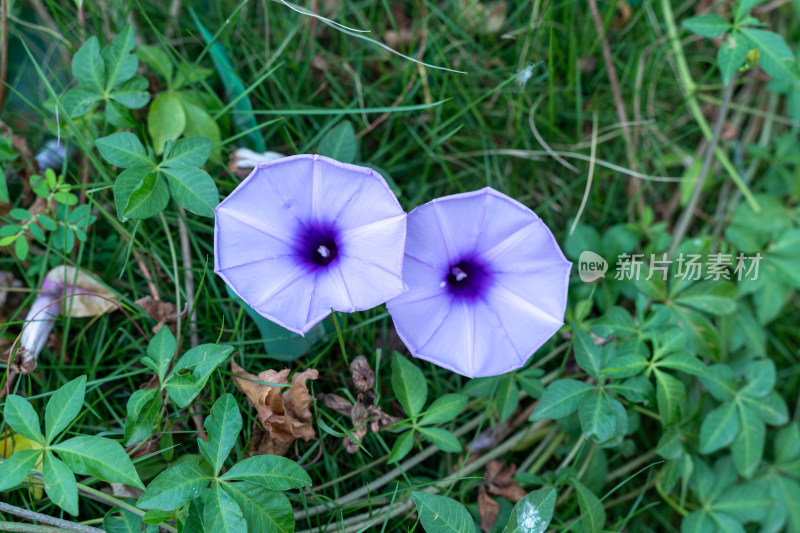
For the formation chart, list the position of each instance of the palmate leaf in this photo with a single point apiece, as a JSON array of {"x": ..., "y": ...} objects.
[
  {"x": 63, "y": 407},
  {"x": 22, "y": 417},
  {"x": 124, "y": 150},
  {"x": 16, "y": 468},
  {"x": 719, "y": 428},
  {"x": 201, "y": 360},
  {"x": 223, "y": 426},
  {"x": 532, "y": 514},
  {"x": 593, "y": 516},
  {"x": 561, "y": 399},
  {"x": 587, "y": 354},
  {"x": 443, "y": 439},
  {"x": 707, "y": 25},
  {"x": 221, "y": 514},
  {"x": 160, "y": 350},
  {"x": 173, "y": 487},
  {"x": 340, "y": 143},
  {"x": 193, "y": 189},
  {"x": 140, "y": 193},
  {"x": 120, "y": 64},
  {"x": 402, "y": 446},
  {"x": 670, "y": 395},
  {"x": 79, "y": 100},
  {"x": 775, "y": 56},
  {"x": 88, "y": 66},
  {"x": 597, "y": 417},
  {"x": 731, "y": 54},
  {"x": 60, "y": 485},
  {"x": 191, "y": 152},
  {"x": 132, "y": 94},
  {"x": 264, "y": 510},
  {"x": 444, "y": 409},
  {"x": 748, "y": 448},
  {"x": 440, "y": 514},
  {"x": 100, "y": 457},
  {"x": 142, "y": 412},
  {"x": 270, "y": 471},
  {"x": 409, "y": 385},
  {"x": 507, "y": 397}
]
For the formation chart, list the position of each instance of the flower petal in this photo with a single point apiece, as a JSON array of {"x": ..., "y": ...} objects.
[{"x": 244, "y": 239}]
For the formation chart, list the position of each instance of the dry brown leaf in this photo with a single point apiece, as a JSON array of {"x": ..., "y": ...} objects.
[
  {"x": 283, "y": 412},
  {"x": 380, "y": 419},
  {"x": 363, "y": 376},
  {"x": 337, "y": 403},
  {"x": 92, "y": 298},
  {"x": 498, "y": 481},
  {"x": 162, "y": 312},
  {"x": 359, "y": 416},
  {"x": 487, "y": 509}
]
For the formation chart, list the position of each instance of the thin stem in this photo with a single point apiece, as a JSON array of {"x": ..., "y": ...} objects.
[
  {"x": 188, "y": 276},
  {"x": 33, "y": 528},
  {"x": 4, "y": 51},
  {"x": 60, "y": 524},
  {"x": 688, "y": 213},
  {"x": 174, "y": 257}
]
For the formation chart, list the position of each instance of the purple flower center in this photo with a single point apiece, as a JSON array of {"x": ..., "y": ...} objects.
[
  {"x": 468, "y": 278},
  {"x": 317, "y": 244}
]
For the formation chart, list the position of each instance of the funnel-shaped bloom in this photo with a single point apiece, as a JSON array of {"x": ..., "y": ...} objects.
[
  {"x": 305, "y": 234},
  {"x": 487, "y": 284}
]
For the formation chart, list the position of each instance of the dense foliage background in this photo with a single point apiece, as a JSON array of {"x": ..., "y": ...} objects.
[{"x": 655, "y": 127}]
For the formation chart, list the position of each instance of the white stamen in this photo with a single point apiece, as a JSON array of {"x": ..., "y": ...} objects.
[
  {"x": 459, "y": 274},
  {"x": 323, "y": 251}
]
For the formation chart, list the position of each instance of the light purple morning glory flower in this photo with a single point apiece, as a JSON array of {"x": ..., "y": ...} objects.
[
  {"x": 305, "y": 234},
  {"x": 487, "y": 284}
]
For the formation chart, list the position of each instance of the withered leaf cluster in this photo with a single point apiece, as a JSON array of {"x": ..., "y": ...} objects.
[
  {"x": 497, "y": 482},
  {"x": 365, "y": 415},
  {"x": 284, "y": 413}
]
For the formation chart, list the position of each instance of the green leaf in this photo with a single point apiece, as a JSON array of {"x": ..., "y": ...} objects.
[
  {"x": 242, "y": 112},
  {"x": 507, "y": 397},
  {"x": 264, "y": 510},
  {"x": 123, "y": 521},
  {"x": 731, "y": 54},
  {"x": 121, "y": 65},
  {"x": 340, "y": 143},
  {"x": 88, "y": 66},
  {"x": 615, "y": 321},
  {"x": 173, "y": 487},
  {"x": 161, "y": 349},
  {"x": 670, "y": 395},
  {"x": 223, "y": 426},
  {"x": 4, "y": 188},
  {"x": 199, "y": 123},
  {"x": 683, "y": 362},
  {"x": 270, "y": 471},
  {"x": 593, "y": 516},
  {"x": 444, "y": 409},
  {"x": 597, "y": 417},
  {"x": 714, "y": 297},
  {"x": 123, "y": 150},
  {"x": 443, "y": 439},
  {"x": 440, "y": 514},
  {"x": 21, "y": 249},
  {"x": 669, "y": 340},
  {"x": 719, "y": 428},
  {"x": 720, "y": 382},
  {"x": 787, "y": 444},
  {"x": 100, "y": 457},
  {"x": 625, "y": 366},
  {"x": 587, "y": 354},
  {"x": 133, "y": 93},
  {"x": 157, "y": 59},
  {"x": 560, "y": 399},
  {"x": 60, "y": 485},
  {"x": 698, "y": 522},
  {"x": 79, "y": 101},
  {"x": 191, "y": 152},
  {"x": 533, "y": 513},
  {"x": 16, "y": 468},
  {"x": 775, "y": 56},
  {"x": 166, "y": 119},
  {"x": 638, "y": 389},
  {"x": 409, "y": 385},
  {"x": 63, "y": 407},
  {"x": 140, "y": 193},
  {"x": 22, "y": 417},
  {"x": 707, "y": 25},
  {"x": 402, "y": 446},
  {"x": 748, "y": 448},
  {"x": 760, "y": 377},
  {"x": 770, "y": 408},
  {"x": 193, "y": 189},
  {"x": 221, "y": 514},
  {"x": 142, "y": 412},
  {"x": 201, "y": 360}
]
